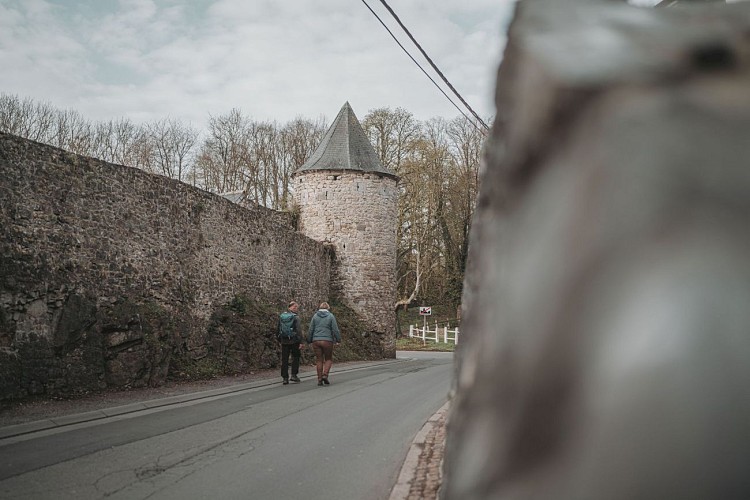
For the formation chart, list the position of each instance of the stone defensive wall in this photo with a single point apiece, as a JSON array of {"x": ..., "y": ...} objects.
[{"x": 114, "y": 277}]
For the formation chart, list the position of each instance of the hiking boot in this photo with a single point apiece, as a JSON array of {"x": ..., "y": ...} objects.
[
  {"x": 286, "y": 381},
  {"x": 325, "y": 381},
  {"x": 295, "y": 379}
]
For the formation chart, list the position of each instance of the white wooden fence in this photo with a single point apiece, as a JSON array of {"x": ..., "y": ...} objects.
[{"x": 434, "y": 334}]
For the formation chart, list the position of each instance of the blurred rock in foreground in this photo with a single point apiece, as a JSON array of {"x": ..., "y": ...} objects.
[{"x": 607, "y": 303}]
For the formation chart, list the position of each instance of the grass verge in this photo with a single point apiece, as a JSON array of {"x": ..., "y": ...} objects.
[{"x": 409, "y": 344}]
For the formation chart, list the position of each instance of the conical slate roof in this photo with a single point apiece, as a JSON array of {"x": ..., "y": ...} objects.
[{"x": 345, "y": 147}]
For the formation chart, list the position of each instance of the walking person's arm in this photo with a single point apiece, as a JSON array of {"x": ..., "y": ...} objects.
[
  {"x": 297, "y": 326},
  {"x": 310, "y": 331},
  {"x": 335, "y": 329}
]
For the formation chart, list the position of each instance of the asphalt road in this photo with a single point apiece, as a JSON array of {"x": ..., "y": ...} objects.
[{"x": 343, "y": 441}]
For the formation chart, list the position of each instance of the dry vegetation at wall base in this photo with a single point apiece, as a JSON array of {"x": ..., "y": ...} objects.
[
  {"x": 407, "y": 344},
  {"x": 153, "y": 347},
  {"x": 358, "y": 342},
  {"x": 243, "y": 338}
]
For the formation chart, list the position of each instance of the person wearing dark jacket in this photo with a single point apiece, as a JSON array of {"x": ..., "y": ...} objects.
[
  {"x": 323, "y": 332},
  {"x": 290, "y": 337}
]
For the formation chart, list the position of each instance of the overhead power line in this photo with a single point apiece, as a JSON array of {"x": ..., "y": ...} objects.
[
  {"x": 434, "y": 66},
  {"x": 427, "y": 74},
  {"x": 415, "y": 62}
]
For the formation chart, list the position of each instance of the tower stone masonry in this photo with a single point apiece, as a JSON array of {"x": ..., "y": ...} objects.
[{"x": 348, "y": 199}]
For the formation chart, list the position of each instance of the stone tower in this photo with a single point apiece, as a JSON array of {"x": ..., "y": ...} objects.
[{"x": 346, "y": 197}]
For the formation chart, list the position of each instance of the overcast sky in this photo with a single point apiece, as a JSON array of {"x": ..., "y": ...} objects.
[{"x": 273, "y": 59}]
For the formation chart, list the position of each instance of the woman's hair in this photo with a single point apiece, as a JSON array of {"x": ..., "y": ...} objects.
[{"x": 324, "y": 305}]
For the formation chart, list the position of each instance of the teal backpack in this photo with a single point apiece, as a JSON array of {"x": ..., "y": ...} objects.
[{"x": 286, "y": 326}]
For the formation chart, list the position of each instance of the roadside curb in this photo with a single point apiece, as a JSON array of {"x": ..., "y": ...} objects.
[
  {"x": 411, "y": 468},
  {"x": 77, "y": 418}
]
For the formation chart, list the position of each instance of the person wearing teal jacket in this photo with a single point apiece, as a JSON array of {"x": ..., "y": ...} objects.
[{"x": 322, "y": 334}]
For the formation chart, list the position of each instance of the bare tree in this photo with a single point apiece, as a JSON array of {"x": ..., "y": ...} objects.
[
  {"x": 263, "y": 164},
  {"x": 395, "y": 136},
  {"x": 223, "y": 160},
  {"x": 118, "y": 141},
  {"x": 419, "y": 253},
  {"x": 437, "y": 195},
  {"x": 298, "y": 140},
  {"x": 25, "y": 118},
  {"x": 73, "y": 132},
  {"x": 392, "y": 133},
  {"x": 465, "y": 143},
  {"x": 171, "y": 148}
]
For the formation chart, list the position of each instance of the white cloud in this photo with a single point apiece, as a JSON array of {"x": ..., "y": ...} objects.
[
  {"x": 39, "y": 56},
  {"x": 275, "y": 60}
]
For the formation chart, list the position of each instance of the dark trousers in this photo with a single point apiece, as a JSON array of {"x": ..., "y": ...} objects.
[{"x": 286, "y": 350}]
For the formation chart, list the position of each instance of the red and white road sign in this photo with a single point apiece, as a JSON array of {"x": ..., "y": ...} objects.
[{"x": 425, "y": 311}]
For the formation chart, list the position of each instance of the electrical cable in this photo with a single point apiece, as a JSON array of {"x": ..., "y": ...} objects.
[
  {"x": 425, "y": 72},
  {"x": 432, "y": 63}
]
